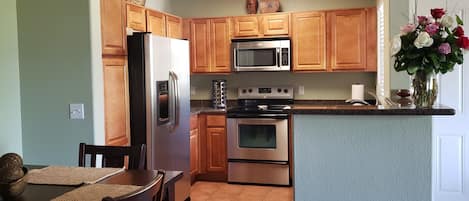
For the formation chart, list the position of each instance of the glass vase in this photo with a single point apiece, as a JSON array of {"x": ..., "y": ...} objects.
[{"x": 425, "y": 89}]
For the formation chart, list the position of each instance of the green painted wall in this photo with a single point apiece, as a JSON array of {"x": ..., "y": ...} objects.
[
  {"x": 10, "y": 106},
  {"x": 55, "y": 69},
  {"x": 211, "y": 8},
  {"x": 161, "y": 5},
  {"x": 317, "y": 85},
  {"x": 366, "y": 158},
  {"x": 399, "y": 12}
]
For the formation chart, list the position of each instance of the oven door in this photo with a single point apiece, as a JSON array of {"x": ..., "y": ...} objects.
[{"x": 263, "y": 139}]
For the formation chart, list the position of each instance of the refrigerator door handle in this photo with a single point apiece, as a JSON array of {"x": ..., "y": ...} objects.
[{"x": 175, "y": 98}]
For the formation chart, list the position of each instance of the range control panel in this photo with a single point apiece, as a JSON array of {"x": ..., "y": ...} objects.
[{"x": 265, "y": 93}]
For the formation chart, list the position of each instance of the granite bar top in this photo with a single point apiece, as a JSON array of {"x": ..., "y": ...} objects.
[
  {"x": 315, "y": 109},
  {"x": 207, "y": 110}
]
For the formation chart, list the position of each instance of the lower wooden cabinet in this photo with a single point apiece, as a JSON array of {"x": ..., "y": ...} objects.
[
  {"x": 116, "y": 101},
  {"x": 208, "y": 147}
]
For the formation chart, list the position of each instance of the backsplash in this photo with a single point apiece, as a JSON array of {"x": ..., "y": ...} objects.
[{"x": 317, "y": 86}]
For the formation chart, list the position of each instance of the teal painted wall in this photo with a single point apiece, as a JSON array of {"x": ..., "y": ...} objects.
[
  {"x": 366, "y": 158},
  {"x": 55, "y": 70},
  {"x": 10, "y": 106}
]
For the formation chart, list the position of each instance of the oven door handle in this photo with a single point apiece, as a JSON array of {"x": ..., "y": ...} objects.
[
  {"x": 258, "y": 161},
  {"x": 267, "y": 116}
]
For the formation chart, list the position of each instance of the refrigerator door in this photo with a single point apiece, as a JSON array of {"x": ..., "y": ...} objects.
[
  {"x": 180, "y": 67},
  {"x": 168, "y": 60}
]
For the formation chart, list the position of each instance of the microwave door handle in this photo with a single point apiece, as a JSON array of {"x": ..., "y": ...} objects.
[
  {"x": 235, "y": 59},
  {"x": 278, "y": 57}
]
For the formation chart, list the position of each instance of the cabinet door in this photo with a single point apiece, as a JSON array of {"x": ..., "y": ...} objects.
[
  {"x": 309, "y": 41},
  {"x": 136, "y": 17},
  {"x": 275, "y": 24},
  {"x": 245, "y": 26},
  {"x": 186, "y": 29},
  {"x": 221, "y": 44},
  {"x": 371, "y": 39},
  {"x": 113, "y": 27},
  {"x": 200, "y": 46},
  {"x": 116, "y": 101},
  {"x": 194, "y": 149},
  {"x": 347, "y": 39},
  {"x": 216, "y": 149},
  {"x": 173, "y": 27},
  {"x": 156, "y": 23}
]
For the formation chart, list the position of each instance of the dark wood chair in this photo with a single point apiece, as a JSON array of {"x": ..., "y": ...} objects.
[
  {"x": 150, "y": 192},
  {"x": 113, "y": 156}
]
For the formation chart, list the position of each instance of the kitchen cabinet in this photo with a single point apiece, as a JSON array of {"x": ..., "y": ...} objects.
[
  {"x": 156, "y": 22},
  {"x": 113, "y": 34},
  {"x": 210, "y": 45},
  {"x": 309, "y": 41},
  {"x": 347, "y": 39},
  {"x": 173, "y": 27},
  {"x": 267, "y": 25},
  {"x": 136, "y": 17},
  {"x": 371, "y": 39},
  {"x": 245, "y": 26},
  {"x": 216, "y": 143},
  {"x": 275, "y": 24},
  {"x": 116, "y": 101},
  {"x": 186, "y": 29},
  {"x": 194, "y": 146}
]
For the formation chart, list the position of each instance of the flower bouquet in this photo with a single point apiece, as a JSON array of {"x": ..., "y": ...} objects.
[{"x": 433, "y": 45}]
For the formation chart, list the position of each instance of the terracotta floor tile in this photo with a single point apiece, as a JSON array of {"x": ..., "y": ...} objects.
[{"x": 215, "y": 191}]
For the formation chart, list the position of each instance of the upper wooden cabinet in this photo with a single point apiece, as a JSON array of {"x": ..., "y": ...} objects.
[
  {"x": 173, "y": 27},
  {"x": 136, "y": 18},
  {"x": 275, "y": 24},
  {"x": 371, "y": 39},
  {"x": 266, "y": 25},
  {"x": 245, "y": 26},
  {"x": 113, "y": 21},
  {"x": 210, "y": 45},
  {"x": 116, "y": 101},
  {"x": 156, "y": 22},
  {"x": 347, "y": 39},
  {"x": 309, "y": 41}
]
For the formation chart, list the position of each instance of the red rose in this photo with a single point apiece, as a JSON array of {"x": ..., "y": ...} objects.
[
  {"x": 437, "y": 13},
  {"x": 463, "y": 42},
  {"x": 459, "y": 31}
]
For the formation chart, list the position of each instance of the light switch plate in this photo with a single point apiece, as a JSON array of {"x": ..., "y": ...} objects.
[
  {"x": 301, "y": 90},
  {"x": 193, "y": 91},
  {"x": 77, "y": 111}
]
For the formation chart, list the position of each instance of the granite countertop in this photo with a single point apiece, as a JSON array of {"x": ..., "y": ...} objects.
[
  {"x": 206, "y": 109},
  {"x": 316, "y": 109}
]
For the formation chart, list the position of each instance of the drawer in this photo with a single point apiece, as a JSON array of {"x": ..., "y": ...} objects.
[
  {"x": 194, "y": 121},
  {"x": 216, "y": 120}
]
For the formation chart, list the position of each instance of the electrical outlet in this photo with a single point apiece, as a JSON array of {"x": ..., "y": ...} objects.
[
  {"x": 77, "y": 111},
  {"x": 301, "y": 90}
]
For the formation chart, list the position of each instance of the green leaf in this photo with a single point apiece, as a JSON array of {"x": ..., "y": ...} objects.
[
  {"x": 459, "y": 20},
  {"x": 412, "y": 69}
]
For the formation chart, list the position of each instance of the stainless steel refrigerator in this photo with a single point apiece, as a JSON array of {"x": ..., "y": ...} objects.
[{"x": 160, "y": 103}]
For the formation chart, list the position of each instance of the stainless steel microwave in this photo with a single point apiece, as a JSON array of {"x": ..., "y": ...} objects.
[{"x": 261, "y": 55}]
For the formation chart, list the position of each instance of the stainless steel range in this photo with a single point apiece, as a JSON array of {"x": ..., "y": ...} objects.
[{"x": 258, "y": 136}]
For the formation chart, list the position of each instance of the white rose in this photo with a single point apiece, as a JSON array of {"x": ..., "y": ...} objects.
[
  {"x": 423, "y": 40},
  {"x": 396, "y": 44},
  {"x": 447, "y": 21}
]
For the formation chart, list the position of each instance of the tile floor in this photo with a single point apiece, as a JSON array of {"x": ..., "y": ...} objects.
[{"x": 214, "y": 191}]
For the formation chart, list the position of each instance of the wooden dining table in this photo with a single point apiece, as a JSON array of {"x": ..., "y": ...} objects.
[{"x": 34, "y": 192}]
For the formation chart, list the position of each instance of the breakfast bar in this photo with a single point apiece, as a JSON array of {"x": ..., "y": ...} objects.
[{"x": 363, "y": 153}]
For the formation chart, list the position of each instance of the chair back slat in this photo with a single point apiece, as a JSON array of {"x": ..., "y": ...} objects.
[
  {"x": 152, "y": 191},
  {"x": 113, "y": 156}
]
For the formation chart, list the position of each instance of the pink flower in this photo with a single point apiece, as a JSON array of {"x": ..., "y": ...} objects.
[
  {"x": 444, "y": 48},
  {"x": 432, "y": 29},
  {"x": 422, "y": 20},
  {"x": 407, "y": 29}
]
